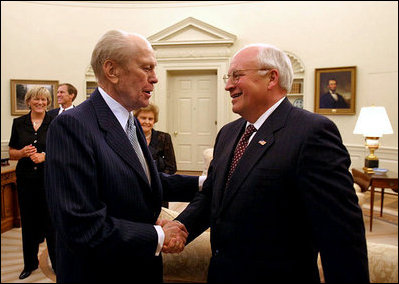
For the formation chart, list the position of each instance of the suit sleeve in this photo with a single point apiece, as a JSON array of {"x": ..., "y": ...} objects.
[
  {"x": 332, "y": 205},
  {"x": 179, "y": 188},
  {"x": 170, "y": 159},
  {"x": 77, "y": 207},
  {"x": 197, "y": 215}
]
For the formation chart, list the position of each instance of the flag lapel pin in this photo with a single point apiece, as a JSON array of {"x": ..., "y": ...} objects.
[{"x": 262, "y": 142}]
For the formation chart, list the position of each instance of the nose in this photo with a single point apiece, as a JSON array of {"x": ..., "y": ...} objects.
[
  {"x": 229, "y": 85},
  {"x": 153, "y": 78}
]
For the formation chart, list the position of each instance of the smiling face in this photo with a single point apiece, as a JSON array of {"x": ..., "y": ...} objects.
[
  {"x": 135, "y": 81},
  {"x": 147, "y": 121},
  {"x": 38, "y": 104},
  {"x": 250, "y": 94},
  {"x": 63, "y": 97}
]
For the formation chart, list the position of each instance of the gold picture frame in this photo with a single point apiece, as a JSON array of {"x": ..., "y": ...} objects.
[
  {"x": 19, "y": 88},
  {"x": 344, "y": 100}
]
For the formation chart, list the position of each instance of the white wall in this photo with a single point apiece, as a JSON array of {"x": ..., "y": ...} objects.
[{"x": 54, "y": 41}]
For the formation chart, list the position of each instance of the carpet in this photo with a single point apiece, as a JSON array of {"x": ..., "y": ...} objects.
[
  {"x": 45, "y": 265},
  {"x": 390, "y": 207}
]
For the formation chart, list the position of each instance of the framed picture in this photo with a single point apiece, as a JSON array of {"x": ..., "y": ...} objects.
[
  {"x": 335, "y": 90},
  {"x": 19, "y": 88}
]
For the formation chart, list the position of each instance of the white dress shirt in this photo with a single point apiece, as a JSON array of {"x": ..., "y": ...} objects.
[{"x": 263, "y": 118}]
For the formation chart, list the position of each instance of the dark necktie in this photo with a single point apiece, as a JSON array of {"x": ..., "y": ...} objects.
[
  {"x": 240, "y": 149},
  {"x": 132, "y": 135}
]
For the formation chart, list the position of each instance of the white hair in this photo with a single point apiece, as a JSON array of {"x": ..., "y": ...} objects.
[
  {"x": 270, "y": 56},
  {"x": 116, "y": 45}
]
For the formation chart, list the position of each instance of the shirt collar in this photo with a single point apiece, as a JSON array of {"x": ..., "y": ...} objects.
[
  {"x": 117, "y": 109},
  {"x": 61, "y": 108},
  {"x": 264, "y": 116}
]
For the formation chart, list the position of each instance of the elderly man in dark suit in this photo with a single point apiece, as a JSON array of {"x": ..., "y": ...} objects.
[
  {"x": 103, "y": 189},
  {"x": 275, "y": 203}
]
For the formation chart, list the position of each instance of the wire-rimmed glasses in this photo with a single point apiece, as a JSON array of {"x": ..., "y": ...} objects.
[{"x": 236, "y": 74}]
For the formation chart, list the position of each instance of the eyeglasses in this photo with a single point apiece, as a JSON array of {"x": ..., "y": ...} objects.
[{"x": 235, "y": 75}]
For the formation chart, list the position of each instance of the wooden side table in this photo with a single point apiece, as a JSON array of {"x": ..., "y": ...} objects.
[
  {"x": 10, "y": 216},
  {"x": 366, "y": 180}
]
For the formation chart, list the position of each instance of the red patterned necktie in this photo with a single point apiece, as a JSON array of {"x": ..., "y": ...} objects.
[{"x": 240, "y": 149}]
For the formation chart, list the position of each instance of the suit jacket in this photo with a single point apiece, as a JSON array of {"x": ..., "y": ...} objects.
[
  {"x": 54, "y": 112},
  {"x": 101, "y": 202},
  {"x": 162, "y": 152},
  {"x": 327, "y": 101},
  {"x": 290, "y": 197}
]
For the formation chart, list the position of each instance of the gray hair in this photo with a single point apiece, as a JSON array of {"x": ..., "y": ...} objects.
[
  {"x": 115, "y": 45},
  {"x": 270, "y": 56}
]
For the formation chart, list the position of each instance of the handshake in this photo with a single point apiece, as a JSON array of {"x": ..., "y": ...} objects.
[{"x": 175, "y": 236}]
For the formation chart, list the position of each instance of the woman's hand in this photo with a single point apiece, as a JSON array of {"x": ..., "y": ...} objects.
[
  {"x": 38, "y": 158},
  {"x": 28, "y": 151}
]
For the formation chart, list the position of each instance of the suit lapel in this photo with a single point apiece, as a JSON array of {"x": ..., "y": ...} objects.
[
  {"x": 224, "y": 159},
  {"x": 115, "y": 136},
  {"x": 155, "y": 182},
  {"x": 261, "y": 142}
]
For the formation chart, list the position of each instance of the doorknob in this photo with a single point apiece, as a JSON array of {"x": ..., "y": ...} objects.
[{"x": 175, "y": 133}]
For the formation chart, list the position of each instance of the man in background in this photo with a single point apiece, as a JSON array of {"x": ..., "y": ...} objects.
[{"x": 66, "y": 94}]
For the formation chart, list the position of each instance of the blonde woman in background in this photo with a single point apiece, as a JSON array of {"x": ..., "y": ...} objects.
[{"x": 27, "y": 145}]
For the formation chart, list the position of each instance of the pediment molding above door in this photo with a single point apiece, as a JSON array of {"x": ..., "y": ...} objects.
[{"x": 191, "y": 32}]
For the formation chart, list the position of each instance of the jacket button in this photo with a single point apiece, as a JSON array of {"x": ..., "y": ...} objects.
[
  {"x": 35, "y": 168},
  {"x": 216, "y": 252}
]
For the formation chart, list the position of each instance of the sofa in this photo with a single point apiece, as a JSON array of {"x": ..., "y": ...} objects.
[{"x": 191, "y": 266}]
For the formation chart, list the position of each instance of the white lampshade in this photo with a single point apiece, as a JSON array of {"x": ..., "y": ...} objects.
[{"x": 373, "y": 122}]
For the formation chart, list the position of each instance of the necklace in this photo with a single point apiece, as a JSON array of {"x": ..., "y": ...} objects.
[{"x": 148, "y": 136}]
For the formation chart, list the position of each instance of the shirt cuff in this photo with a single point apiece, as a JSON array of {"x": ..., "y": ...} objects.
[
  {"x": 201, "y": 180},
  {"x": 161, "y": 239}
]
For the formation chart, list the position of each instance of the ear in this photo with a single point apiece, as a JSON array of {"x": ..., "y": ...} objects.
[
  {"x": 273, "y": 79},
  {"x": 111, "y": 71}
]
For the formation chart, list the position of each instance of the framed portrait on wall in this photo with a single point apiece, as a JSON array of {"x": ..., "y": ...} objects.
[
  {"x": 19, "y": 88},
  {"x": 335, "y": 90}
]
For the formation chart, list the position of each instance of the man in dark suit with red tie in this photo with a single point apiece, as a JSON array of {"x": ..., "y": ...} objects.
[
  {"x": 281, "y": 193},
  {"x": 102, "y": 186}
]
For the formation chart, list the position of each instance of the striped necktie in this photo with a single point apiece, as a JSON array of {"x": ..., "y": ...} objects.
[{"x": 132, "y": 135}]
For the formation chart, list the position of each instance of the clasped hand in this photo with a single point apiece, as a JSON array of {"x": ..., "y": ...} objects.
[
  {"x": 175, "y": 236},
  {"x": 31, "y": 152}
]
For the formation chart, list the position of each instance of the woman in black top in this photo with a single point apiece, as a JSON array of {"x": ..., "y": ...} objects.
[
  {"x": 27, "y": 145},
  {"x": 159, "y": 143}
]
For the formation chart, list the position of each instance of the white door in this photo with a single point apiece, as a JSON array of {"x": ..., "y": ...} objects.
[{"x": 192, "y": 115}]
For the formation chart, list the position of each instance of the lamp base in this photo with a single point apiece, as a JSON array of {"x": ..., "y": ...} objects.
[
  {"x": 369, "y": 164},
  {"x": 368, "y": 170}
]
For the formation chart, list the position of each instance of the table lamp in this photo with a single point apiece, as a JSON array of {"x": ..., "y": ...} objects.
[{"x": 372, "y": 122}]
